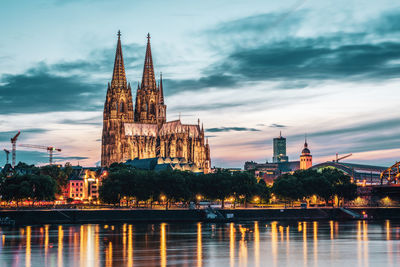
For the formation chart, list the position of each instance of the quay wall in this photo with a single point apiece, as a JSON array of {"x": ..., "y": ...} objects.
[{"x": 66, "y": 216}]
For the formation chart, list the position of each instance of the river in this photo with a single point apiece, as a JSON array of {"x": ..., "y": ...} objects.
[{"x": 331, "y": 243}]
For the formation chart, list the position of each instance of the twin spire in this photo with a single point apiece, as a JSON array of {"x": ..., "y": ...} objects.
[{"x": 148, "y": 78}]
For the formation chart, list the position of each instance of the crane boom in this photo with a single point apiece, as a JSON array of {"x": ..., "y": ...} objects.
[
  {"x": 50, "y": 149},
  {"x": 343, "y": 157}
]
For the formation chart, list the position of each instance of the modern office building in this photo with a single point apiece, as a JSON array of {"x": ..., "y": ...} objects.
[{"x": 279, "y": 146}]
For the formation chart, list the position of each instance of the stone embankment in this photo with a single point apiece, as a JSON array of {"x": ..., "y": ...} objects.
[{"x": 66, "y": 216}]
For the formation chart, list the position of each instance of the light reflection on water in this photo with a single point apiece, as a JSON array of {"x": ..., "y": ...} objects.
[{"x": 356, "y": 243}]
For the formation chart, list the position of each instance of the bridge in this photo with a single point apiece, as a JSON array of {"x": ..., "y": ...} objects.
[{"x": 391, "y": 175}]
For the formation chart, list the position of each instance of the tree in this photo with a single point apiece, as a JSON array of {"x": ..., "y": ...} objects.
[
  {"x": 113, "y": 187},
  {"x": 305, "y": 183},
  {"x": 43, "y": 187},
  {"x": 244, "y": 186},
  {"x": 28, "y": 186},
  {"x": 172, "y": 185},
  {"x": 59, "y": 175},
  {"x": 218, "y": 185},
  {"x": 288, "y": 187},
  {"x": 263, "y": 191}
]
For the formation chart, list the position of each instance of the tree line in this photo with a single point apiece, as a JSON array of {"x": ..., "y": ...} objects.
[
  {"x": 176, "y": 186},
  {"x": 326, "y": 184},
  {"x": 28, "y": 182}
]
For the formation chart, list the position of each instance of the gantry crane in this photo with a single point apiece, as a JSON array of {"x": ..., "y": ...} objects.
[
  {"x": 14, "y": 147},
  {"x": 50, "y": 149},
  {"x": 7, "y": 153}
]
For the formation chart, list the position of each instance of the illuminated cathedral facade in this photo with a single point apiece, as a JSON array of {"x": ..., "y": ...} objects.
[{"x": 141, "y": 131}]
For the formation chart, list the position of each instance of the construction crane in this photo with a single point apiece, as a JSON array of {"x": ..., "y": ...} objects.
[
  {"x": 343, "y": 157},
  {"x": 7, "y": 153},
  {"x": 50, "y": 149},
  {"x": 14, "y": 147}
]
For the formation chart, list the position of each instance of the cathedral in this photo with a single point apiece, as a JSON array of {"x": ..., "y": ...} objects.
[{"x": 142, "y": 131}]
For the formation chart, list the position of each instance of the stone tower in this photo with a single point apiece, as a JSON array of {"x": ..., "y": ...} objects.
[
  {"x": 305, "y": 157},
  {"x": 149, "y": 107},
  {"x": 118, "y": 109}
]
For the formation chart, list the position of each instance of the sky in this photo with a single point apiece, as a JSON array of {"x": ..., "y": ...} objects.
[{"x": 247, "y": 69}]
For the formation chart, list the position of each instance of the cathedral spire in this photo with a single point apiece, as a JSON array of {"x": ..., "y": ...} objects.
[
  {"x": 119, "y": 78},
  {"x": 161, "y": 92},
  {"x": 148, "y": 79}
]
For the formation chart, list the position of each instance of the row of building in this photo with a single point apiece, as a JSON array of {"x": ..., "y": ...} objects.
[{"x": 362, "y": 174}]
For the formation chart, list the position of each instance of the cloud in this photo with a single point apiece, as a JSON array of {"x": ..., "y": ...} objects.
[
  {"x": 101, "y": 61},
  {"x": 274, "y": 125},
  {"x": 213, "y": 106},
  {"x": 367, "y": 136},
  {"x": 369, "y": 127},
  {"x": 231, "y": 129},
  {"x": 60, "y": 159},
  {"x": 38, "y": 91},
  {"x": 64, "y": 86},
  {"x": 6, "y": 136},
  {"x": 295, "y": 61},
  {"x": 217, "y": 80},
  {"x": 34, "y": 157},
  {"x": 90, "y": 121}
]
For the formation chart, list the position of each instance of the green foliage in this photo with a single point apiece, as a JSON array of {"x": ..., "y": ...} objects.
[
  {"x": 59, "y": 175},
  {"x": 263, "y": 191},
  {"x": 305, "y": 183},
  {"x": 217, "y": 185},
  {"x": 288, "y": 187},
  {"x": 178, "y": 186},
  {"x": 28, "y": 186}
]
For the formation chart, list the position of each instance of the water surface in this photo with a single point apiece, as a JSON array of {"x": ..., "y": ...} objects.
[{"x": 355, "y": 243}]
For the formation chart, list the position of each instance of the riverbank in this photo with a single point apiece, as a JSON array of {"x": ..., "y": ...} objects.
[{"x": 66, "y": 216}]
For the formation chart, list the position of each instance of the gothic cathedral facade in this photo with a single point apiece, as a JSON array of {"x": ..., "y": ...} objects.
[{"x": 142, "y": 131}]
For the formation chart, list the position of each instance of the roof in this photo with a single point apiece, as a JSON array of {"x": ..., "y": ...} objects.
[
  {"x": 158, "y": 164},
  {"x": 147, "y": 129},
  {"x": 143, "y": 164},
  {"x": 351, "y": 167},
  {"x": 141, "y": 129}
]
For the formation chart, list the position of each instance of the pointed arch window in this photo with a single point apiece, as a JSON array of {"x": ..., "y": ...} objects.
[
  {"x": 122, "y": 107},
  {"x": 114, "y": 105}
]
